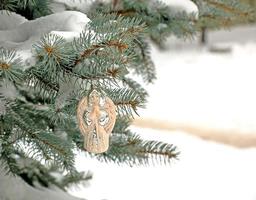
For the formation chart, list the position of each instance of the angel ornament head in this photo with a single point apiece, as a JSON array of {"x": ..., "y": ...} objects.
[{"x": 96, "y": 116}]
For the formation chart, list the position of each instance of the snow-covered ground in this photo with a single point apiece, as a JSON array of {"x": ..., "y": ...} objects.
[
  {"x": 197, "y": 87},
  {"x": 205, "y": 171}
]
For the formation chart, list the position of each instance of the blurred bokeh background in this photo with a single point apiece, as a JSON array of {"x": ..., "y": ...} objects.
[{"x": 204, "y": 102}]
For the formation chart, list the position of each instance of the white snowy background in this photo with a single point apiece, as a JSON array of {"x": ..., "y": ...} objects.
[
  {"x": 195, "y": 87},
  {"x": 203, "y": 89}
]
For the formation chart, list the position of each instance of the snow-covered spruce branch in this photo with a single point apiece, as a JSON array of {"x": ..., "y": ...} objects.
[
  {"x": 46, "y": 144},
  {"x": 184, "y": 19},
  {"x": 57, "y": 64},
  {"x": 8, "y": 184}
]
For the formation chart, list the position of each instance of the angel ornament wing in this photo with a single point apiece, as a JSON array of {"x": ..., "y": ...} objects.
[{"x": 96, "y": 116}]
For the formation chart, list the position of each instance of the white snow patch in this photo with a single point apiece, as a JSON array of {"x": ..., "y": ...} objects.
[
  {"x": 83, "y": 6},
  {"x": 205, "y": 170},
  {"x": 58, "y": 176},
  {"x": 182, "y": 6},
  {"x": 10, "y": 20},
  {"x": 14, "y": 188},
  {"x": 8, "y": 90},
  {"x": 197, "y": 87},
  {"x": 68, "y": 24}
]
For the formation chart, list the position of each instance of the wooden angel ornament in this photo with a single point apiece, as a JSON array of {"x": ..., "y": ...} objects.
[{"x": 96, "y": 116}]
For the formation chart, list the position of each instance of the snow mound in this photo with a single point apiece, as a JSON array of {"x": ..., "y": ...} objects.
[
  {"x": 61, "y": 5},
  {"x": 186, "y": 6},
  {"x": 68, "y": 24},
  {"x": 10, "y": 20},
  {"x": 28, "y": 32},
  {"x": 205, "y": 170},
  {"x": 14, "y": 188}
]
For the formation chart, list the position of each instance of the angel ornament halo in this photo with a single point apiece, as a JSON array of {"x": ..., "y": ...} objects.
[{"x": 96, "y": 116}]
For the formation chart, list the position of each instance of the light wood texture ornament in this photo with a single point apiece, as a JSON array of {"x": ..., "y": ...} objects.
[{"x": 96, "y": 116}]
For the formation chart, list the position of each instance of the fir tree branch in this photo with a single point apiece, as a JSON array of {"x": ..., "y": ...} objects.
[
  {"x": 43, "y": 80},
  {"x": 75, "y": 179},
  {"x": 132, "y": 150},
  {"x": 126, "y": 101},
  {"x": 95, "y": 48},
  {"x": 121, "y": 46},
  {"x": 10, "y": 65},
  {"x": 124, "y": 12},
  {"x": 227, "y": 8},
  {"x": 45, "y": 141}
]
